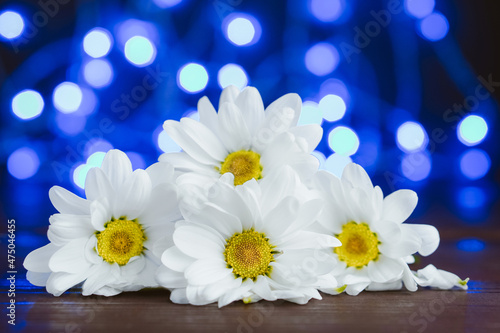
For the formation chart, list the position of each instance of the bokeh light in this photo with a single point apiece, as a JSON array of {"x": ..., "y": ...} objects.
[
  {"x": 130, "y": 28},
  {"x": 97, "y": 145},
  {"x": 471, "y": 245},
  {"x": 241, "y": 29},
  {"x": 333, "y": 107},
  {"x": 11, "y": 24},
  {"x": 472, "y": 130},
  {"x": 167, "y": 3},
  {"x": 232, "y": 74},
  {"x": 471, "y": 197},
  {"x": 67, "y": 97},
  {"x": 434, "y": 27},
  {"x": 28, "y": 104},
  {"x": 137, "y": 160},
  {"x": 411, "y": 137},
  {"x": 192, "y": 78},
  {"x": 419, "y": 8},
  {"x": 97, "y": 42},
  {"x": 81, "y": 170},
  {"x": 310, "y": 114},
  {"x": 98, "y": 73},
  {"x": 80, "y": 174},
  {"x": 322, "y": 59},
  {"x": 96, "y": 159},
  {"x": 343, "y": 141},
  {"x": 474, "y": 163},
  {"x": 416, "y": 166},
  {"x": 140, "y": 51},
  {"x": 23, "y": 163},
  {"x": 70, "y": 124},
  {"x": 335, "y": 163},
  {"x": 326, "y": 10}
]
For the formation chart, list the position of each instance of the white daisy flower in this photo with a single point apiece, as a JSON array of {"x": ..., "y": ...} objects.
[
  {"x": 248, "y": 243},
  {"x": 243, "y": 139},
  {"x": 376, "y": 244},
  {"x": 106, "y": 240}
]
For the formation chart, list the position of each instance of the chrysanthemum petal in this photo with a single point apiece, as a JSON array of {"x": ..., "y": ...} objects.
[
  {"x": 179, "y": 296},
  {"x": 235, "y": 294},
  {"x": 65, "y": 227},
  {"x": 207, "y": 270},
  {"x": 357, "y": 176},
  {"x": 170, "y": 279},
  {"x": 280, "y": 217},
  {"x": 218, "y": 219},
  {"x": 229, "y": 95},
  {"x": 409, "y": 243},
  {"x": 384, "y": 269},
  {"x": 308, "y": 240},
  {"x": 133, "y": 195},
  {"x": 38, "y": 260},
  {"x": 91, "y": 252},
  {"x": 117, "y": 167},
  {"x": 66, "y": 202},
  {"x": 97, "y": 185},
  {"x": 59, "y": 282},
  {"x": 99, "y": 276},
  {"x": 284, "y": 151},
  {"x": 219, "y": 288},
  {"x": 196, "y": 140},
  {"x": 312, "y": 134},
  {"x": 409, "y": 279},
  {"x": 161, "y": 173},
  {"x": 355, "y": 289},
  {"x": 70, "y": 258},
  {"x": 176, "y": 260},
  {"x": 399, "y": 205},
  {"x": 185, "y": 163},
  {"x": 100, "y": 213},
  {"x": 234, "y": 132},
  {"x": 394, "y": 285},
  {"x": 37, "y": 278},
  {"x": 208, "y": 115},
  {"x": 162, "y": 207},
  {"x": 290, "y": 101},
  {"x": 279, "y": 184},
  {"x": 262, "y": 289},
  {"x": 252, "y": 108},
  {"x": 429, "y": 235},
  {"x": 198, "y": 242},
  {"x": 430, "y": 276}
]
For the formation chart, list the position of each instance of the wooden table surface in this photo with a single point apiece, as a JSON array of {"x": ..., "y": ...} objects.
[{"x": 476, "y": 310}]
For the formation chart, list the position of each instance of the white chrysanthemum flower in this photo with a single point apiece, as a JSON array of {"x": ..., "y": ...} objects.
[
  {"x": 248, "y": 243},
  {"x": 243, "y": 139},
  {"x": 106, "y": 240},
  {"x": 376, "y": 244}
]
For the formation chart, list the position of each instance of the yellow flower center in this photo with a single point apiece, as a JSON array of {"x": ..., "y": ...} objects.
[
  {"x": 120, "y": 240},
  {"x": 244, "y": 165},
  {"x": 359, "y": 245},
  {"x": 249, "y": 254}
]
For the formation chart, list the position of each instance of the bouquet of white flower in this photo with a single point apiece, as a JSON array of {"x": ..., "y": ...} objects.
[{"x": 242, "y": 213}]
